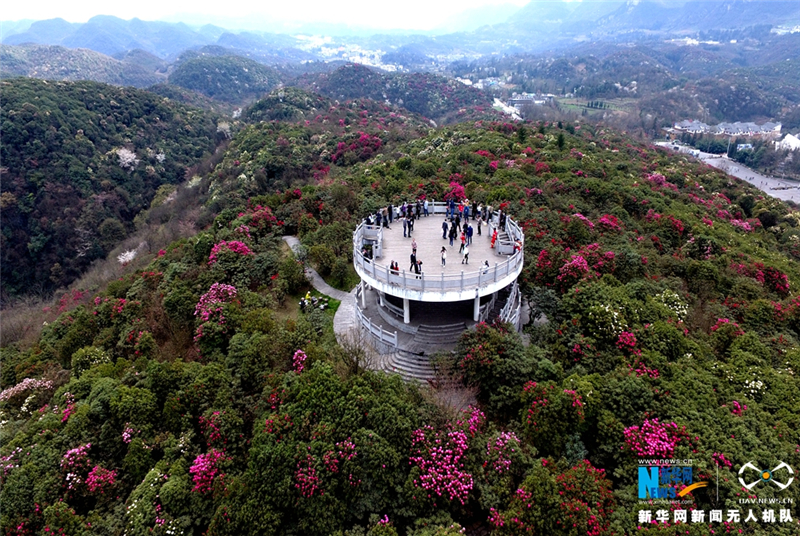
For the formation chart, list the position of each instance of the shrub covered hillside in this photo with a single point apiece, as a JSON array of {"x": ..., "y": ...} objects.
[
  {"x": 192, "y": 397},
  {"x": 231, "y": 79},
  {"x": 435, "y": 97},
  {"x": 81, "y": 159}
]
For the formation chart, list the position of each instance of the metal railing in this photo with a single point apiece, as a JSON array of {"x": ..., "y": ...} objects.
[
  {"x": 511, "y": 310},
  {"x": 383, "y": 336},
  {"x": 442, "y": 282},
  {"x": 397, "y": 311},
  {"x": 430, "y": 282},
  {"x": 486, "y": 308}
]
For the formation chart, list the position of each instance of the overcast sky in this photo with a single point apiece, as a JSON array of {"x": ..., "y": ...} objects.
[{"x": 400, "y": 14}]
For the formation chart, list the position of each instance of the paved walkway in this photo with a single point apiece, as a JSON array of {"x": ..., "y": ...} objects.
[
  {"x": 786, "y": 190},
  {"x": 345, "y": 318}
]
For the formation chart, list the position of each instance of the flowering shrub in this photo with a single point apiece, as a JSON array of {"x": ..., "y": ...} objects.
[
  {"x": 456, "y": 192},
  {"x": 498, "y": 451},
  {"x": 738, "y": 409},
  {"x": 299, "y": 361},
  {"x": 672, "y": 301},
  {"x": 100, "y": 479},
  {"x": 209, "y": 308},
  {"x": 475, "y": 421},
  {"x": 439, "y": 456},
  {"x": 25, "y": 386},
  {"x": 742, "y": 224},
  {"x": 730, "y": 328},
  {"x": 552, "y": 500},
  {"x": 69, "y": 408},
  {"x": 609, "y": 223},
  {"x": 605, "y": 322},
  {"x": 584, "y": 219},
  {"x": 234, "y": 246},
  {"x": 75, "y": 463},
  {"x": 721, "y": 461},
  {"x": 627, "y": 341},
  {"x": 653, "y": 439},
  {"x": 205, "y": 469},
  {"x": 306, "y": 477},
  {"x": 128, "y": 433},
  {"x": 573, "y": 271},
  {"x": 770, "y": 277}
]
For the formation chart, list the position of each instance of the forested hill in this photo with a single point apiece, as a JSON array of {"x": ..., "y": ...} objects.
[
  {"x": 191, "y": 396},
  {"x": 429, "y": 95},
  {"x": 232, "y": 79},
  {"x": 81, "y": 159},
  {"x": 60, "y": 63}
]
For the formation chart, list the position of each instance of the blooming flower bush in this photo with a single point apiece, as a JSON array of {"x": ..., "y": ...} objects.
[
  {"x": 75, "y": 463},
  {"x": 100, "y": 480},
  {"x": 235, "y": 246},
  {"x": 299, "y": 361},
  {"x": 653, "y": 439},
  {"x": 205, "y": 470},
  {"x": 439, "y": 457},
  {"x": 499, "y": 451}
]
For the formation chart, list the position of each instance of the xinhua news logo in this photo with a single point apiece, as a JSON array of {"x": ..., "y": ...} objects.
[
  {"x": 781, "y": 476},
  {"x": 660, "y": 482}
]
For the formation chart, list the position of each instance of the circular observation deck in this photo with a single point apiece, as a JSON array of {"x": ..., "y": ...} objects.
[{"x": 436, "y": 283}]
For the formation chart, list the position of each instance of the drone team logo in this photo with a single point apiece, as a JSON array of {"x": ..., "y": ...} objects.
[{"x": 766, "y": 475}]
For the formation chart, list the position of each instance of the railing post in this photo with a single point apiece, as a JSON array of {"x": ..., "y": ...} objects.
[
  {"x": 423, "y": 281},
  {"x": 442, "y": 282},
  {"x": 404, "y": 279},
  {"x": 462, "y": 280},
  {"x": 495, "y": 272}
]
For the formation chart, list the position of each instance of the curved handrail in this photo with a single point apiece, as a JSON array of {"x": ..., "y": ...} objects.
[{"x": 435, "y": 283}]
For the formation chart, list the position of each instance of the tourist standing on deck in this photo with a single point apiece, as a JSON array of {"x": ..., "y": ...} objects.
[
  {"x": 494, "y": 237},
  {"x": 463, "y": 242},
  {"x": 414, "y": 246},
  {"x": 444, "y": 256},
  {"x": 469, "y": 235},
  {"x": 478, "y": 224},
  {"x": 405, "y": 226},
  {"x": 425, "y": 207},
  {"x": 453, "y": 234},
  {"x": 444, "y": 229},
  {"x": 465, "y": 260},
  {"x": 391, "y": 213}
]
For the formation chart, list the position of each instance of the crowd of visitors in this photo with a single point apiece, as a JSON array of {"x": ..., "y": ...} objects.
[{"x": 462, "y": 222}]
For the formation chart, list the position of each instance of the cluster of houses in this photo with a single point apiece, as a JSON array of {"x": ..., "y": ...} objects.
[
  {"x": 518, "y": 100},
  {"x": 767, "y": 130}
]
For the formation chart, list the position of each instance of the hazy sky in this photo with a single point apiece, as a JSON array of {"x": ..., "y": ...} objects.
[{"x": 403, "y": 14}]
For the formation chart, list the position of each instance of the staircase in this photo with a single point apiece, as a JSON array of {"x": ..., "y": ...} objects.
[
  {"x": 500, "y": 302},
  {"x": 414, "y": 364},
  {"x": 410, "y": 367}
]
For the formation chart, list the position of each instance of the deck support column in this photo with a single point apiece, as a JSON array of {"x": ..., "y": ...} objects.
[
  {"x": 406, "y": 311},
  {"x": 476, "y": 310}
]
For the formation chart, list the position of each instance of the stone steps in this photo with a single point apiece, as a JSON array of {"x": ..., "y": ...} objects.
[{"x": 409, "y": 367}]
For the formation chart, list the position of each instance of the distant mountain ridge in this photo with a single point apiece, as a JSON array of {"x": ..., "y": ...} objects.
[
  {"x": 113, "y": 36},
  {"x": 539, "y": 25},
  {"x": 136, "y": 68}
]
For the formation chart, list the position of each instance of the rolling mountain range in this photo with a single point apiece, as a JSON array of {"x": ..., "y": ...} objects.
[{"x": 540, "y": 25}]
